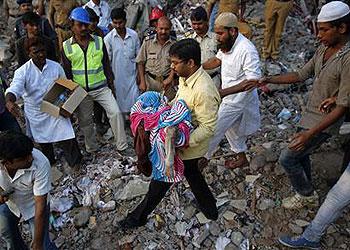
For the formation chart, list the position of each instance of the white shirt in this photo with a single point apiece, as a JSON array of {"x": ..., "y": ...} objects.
[
  {"x": 103, "y": 11},
  {"x": 240, "y": 63},
  {"x": 27, "y": 183},
  {"x": 122, "y": 55},
  {"x": 32, "y": 84}
]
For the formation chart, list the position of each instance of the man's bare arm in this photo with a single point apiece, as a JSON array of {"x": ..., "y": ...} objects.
[
  {"x": 39, "y": 221},
  {"x": 141, "y": 72},
  {"x": 212, "y": 63}
]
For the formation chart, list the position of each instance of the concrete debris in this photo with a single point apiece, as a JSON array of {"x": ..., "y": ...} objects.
[
  {"x": 81, "y": 216},
  {"x": 228, "y": 215},
  {"x": 133, "y": 189},
  {"x": 221, "y": 243},
  {"x": 237, "y": 238},
  {"x": 239, "y": 204}
]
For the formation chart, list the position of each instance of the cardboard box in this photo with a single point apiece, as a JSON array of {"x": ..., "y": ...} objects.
[{"x": 73, "y": 101}]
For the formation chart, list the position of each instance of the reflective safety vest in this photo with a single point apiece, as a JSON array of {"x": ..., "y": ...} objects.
[{"x": 87, "y": 67}]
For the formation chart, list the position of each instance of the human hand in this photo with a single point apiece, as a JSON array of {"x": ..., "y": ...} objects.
[
  {"x": 64, "y": 113},
  {"x": 142, "y": 86},
  {"x": 167, "y": 83},
  {"x": 247, "y": 85},
  {"x": 327, "y": 104},
  {"x": 13, "y": 108},
  {"x": 36, "y": 246},
  {"x": 299, "y": 140}
]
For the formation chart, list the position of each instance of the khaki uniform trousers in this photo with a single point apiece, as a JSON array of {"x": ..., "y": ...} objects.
[
  {"x": 106, "y": 99},
  {"x": 276, "y": 13}
]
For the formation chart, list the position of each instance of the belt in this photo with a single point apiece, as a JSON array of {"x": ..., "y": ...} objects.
[
  {"x": 157, "y": 78},
  {"x": 66, "y": 28},
  {"x": 14, "y": 16},
  {"x": 214, "y": 74}
]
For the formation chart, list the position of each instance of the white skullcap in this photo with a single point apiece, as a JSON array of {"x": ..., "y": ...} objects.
[{"x": 333, "y": 11}]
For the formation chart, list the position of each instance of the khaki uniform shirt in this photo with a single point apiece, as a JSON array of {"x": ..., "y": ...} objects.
[
  {"x": 331, "y": 79},
  {"x": 12, "y": 6},
  {"x": 203, "y": 99},
  {"x": 61, "y": 10},
  {"x": 155, "y": 56},
  {"x": 209, "y": 50}
]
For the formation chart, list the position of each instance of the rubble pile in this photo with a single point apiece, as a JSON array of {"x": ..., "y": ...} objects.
[{"x": 86, "y": 208}]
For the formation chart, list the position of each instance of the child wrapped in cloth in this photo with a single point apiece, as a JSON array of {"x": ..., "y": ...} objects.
[{"x": 169, "y": 127}]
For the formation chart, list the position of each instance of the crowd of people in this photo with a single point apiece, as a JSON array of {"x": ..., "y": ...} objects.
[{"x": 181, "y": 97}]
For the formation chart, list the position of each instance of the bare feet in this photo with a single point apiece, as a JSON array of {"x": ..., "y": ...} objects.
[{"x": 238, "y": 161}]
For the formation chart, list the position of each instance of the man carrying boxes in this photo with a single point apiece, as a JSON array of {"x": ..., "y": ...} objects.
[
  {"x": 31, "y": 82},
  {"x": 85, "y": 61}
]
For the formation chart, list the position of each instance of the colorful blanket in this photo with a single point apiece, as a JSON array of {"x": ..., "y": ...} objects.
[{"x": 158, "y": 117}]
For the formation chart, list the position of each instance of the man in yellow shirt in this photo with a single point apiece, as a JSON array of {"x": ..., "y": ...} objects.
[{"x": 198, "y": 91}]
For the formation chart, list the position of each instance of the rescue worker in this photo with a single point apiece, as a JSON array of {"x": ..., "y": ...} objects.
[
  {"x": 85, "y": 61},
  {"x": 59, "y": 11},
  {"x": 153, "y": 60},
  {"x": 238, "y": 115},
  {"x": 276, "y": 13},
  {"x": 205, "y": 38},
  {"x": 31, "y": 82}
]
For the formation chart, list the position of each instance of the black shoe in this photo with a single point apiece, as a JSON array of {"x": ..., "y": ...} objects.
[{"x": 129, "y": 223}]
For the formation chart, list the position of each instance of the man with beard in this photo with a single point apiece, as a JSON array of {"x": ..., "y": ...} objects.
[
  {"x": 153, "y": 62},
  {"x": 239, "y": 111}
]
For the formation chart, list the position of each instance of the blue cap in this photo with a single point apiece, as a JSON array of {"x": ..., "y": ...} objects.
[{"x": 80, "y": 14}]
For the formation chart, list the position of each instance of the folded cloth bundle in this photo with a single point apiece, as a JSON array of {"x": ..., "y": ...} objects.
[{"x": 161, "y": 119}]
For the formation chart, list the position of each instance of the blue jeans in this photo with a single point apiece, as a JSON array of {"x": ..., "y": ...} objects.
[
  {"x": 337, "y": 199},
  {"x": 298, "y": 166},
  {"x": 10, "y": 233},
  {"x": 214, "y": 13}
]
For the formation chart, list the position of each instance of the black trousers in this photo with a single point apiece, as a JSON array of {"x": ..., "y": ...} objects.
[
  {"x": 8, "y": 122},
  {"x": 70, "y": 149},
  {"x": 158, "y": 189}
]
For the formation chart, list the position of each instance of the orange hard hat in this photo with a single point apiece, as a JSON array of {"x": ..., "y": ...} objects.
[{"x": 156, "y": 13}]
